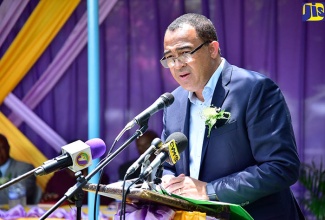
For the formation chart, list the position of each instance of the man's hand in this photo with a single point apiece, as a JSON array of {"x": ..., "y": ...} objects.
[{"x": 185, "y": 186}]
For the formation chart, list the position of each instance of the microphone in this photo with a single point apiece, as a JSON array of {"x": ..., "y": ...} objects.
[
  {"x": 76, "y": 156},
  {"x": 175, "y": 144},
  {"x": 163, "y": 101},
  {"x": 155, "y": 145}
]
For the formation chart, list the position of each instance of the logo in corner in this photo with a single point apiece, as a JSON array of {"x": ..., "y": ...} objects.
[
  {"x": 82, "y": 159},
  {"x": 313, "y": 11}
]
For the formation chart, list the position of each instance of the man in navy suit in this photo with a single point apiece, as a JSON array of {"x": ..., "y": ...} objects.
[{"x": 250, "y": 159}]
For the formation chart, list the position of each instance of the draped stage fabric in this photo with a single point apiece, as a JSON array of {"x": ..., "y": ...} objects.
[
  {"x": 40, "y": 28},
  {"x": 144, "y": 212},
  {"x": 38, "y": 31},
  {"x": 266, "y": 36}
]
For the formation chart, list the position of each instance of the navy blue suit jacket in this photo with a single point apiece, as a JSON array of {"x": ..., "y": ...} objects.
[{"x": 251, "y": 159}]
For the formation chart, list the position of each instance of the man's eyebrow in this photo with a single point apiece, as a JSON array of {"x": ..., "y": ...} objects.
[{"x": 178, "y": 48}]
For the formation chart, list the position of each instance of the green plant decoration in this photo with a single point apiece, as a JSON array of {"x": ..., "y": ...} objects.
[{"x": 313, "y": 179}]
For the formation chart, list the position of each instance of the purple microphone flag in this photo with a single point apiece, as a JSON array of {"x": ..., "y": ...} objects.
[{"x": 97, "y": 147}]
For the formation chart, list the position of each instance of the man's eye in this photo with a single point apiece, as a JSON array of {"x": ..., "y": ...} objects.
[{"x": 185, "y": 52}]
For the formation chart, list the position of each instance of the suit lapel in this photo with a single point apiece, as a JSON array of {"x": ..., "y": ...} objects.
[
  {"x": 182, "y": 165},
  {"x": 186, "y": 154},
  {"x": 219, "y": 95}
]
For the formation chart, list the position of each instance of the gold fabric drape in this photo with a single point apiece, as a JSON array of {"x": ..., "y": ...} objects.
[
  {"x": 37, "y": 33},
  {"x": 34, "y": 37}
]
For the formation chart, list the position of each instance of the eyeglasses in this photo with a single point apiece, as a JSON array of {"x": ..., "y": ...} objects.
[{"x": 183, "y": 58}]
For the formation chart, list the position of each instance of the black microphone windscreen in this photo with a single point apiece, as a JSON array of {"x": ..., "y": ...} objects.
[{"x": 168, "y": 99}]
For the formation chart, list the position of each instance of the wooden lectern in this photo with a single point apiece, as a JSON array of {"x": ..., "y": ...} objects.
[{"x": 144, "y": 196}]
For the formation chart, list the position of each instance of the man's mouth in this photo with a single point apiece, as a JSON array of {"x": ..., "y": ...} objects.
[{"x": 184, "y": 75}]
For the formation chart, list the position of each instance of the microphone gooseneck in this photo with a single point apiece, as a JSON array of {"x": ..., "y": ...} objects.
[
  {"x": 155, "y": 145},
  {"x": 175, "y": 144}
]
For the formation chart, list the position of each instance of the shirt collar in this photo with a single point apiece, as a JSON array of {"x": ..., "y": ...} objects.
[
  {"x": 4, "y": 167},
  {"x": 209, "y": 87}
]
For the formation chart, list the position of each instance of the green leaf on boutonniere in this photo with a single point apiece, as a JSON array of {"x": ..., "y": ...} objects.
[
  {"x": 212, "y": 114},
  {"x": 3, "y": 180}
]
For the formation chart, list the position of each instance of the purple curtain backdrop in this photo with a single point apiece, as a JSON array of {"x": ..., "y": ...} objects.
[{"x": 266, "y": 36}]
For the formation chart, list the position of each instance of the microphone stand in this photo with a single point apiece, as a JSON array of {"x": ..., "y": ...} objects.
[
  {"x": 17, "y": 179},
  {"x": 158, "y": 175},
  {"x": 145, "y": 164},
  {"x": 79, "y": 195},
  {"x": 83, "y": 180}
]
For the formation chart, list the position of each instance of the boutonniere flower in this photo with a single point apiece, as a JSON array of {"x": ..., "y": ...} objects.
[
  {"x": 4, "y": 179},
  {"x": 212, "y": 114}
]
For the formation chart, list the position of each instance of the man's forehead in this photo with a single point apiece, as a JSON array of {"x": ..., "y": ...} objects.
[
  {"x": 179, "y": 46},
  {"x": 185, "y": 32},
  {"x": 180, "y": 38}
]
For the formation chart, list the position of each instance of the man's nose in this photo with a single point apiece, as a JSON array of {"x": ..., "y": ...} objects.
[{"x": 178, "y": 64}]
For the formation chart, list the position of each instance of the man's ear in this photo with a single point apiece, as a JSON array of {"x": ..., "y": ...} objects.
[{"x": 214, "y": 49}]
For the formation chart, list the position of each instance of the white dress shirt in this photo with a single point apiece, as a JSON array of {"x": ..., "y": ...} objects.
[{"x": 197, "y": 122}]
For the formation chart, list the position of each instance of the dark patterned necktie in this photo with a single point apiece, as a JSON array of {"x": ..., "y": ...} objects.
[{"x": 0, "y": 174}]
